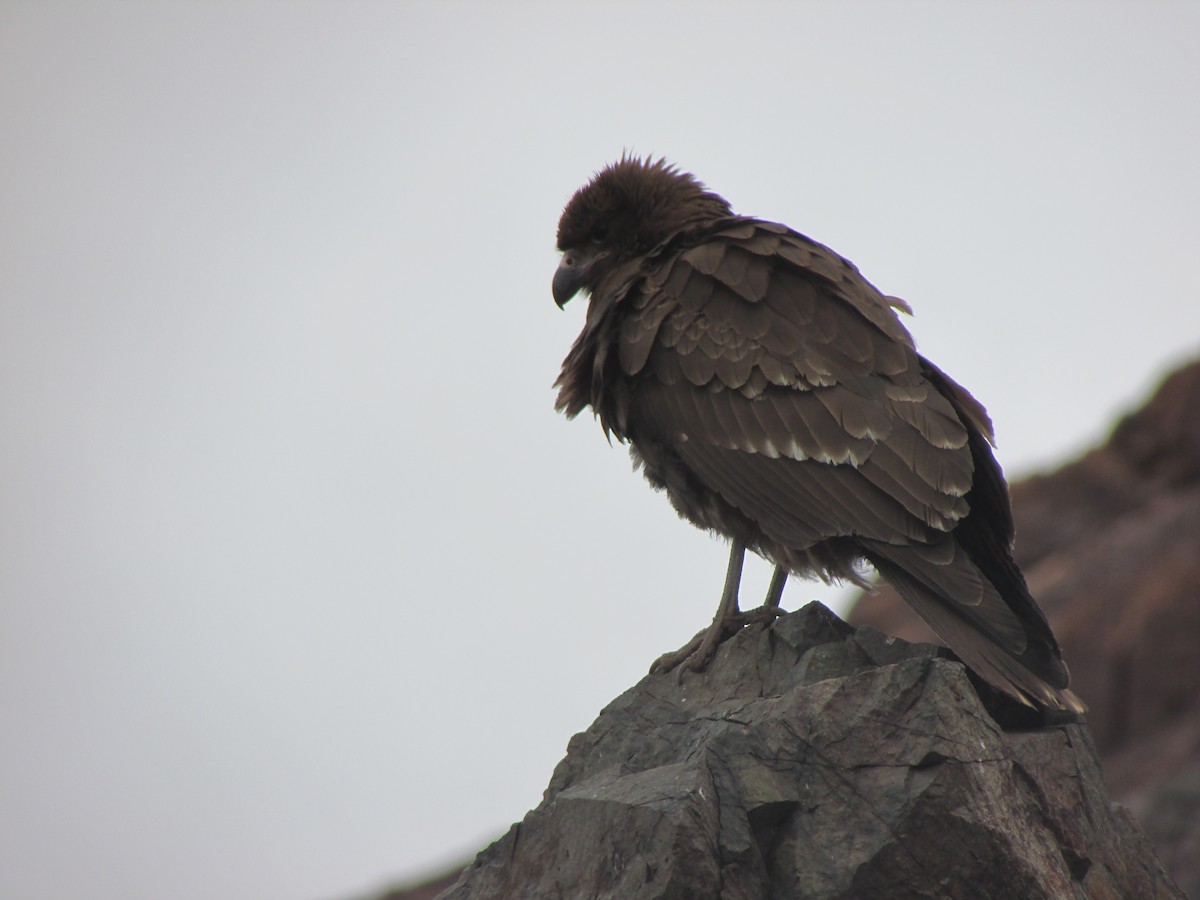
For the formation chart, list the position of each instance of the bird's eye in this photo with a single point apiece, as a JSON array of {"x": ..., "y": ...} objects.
[{"x": 568, "y": 259}]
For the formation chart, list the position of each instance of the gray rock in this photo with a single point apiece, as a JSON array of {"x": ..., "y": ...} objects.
[{"x": 812, "y": 760}]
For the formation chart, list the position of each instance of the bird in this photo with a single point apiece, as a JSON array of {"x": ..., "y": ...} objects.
[{"x": 776, "y": 397}]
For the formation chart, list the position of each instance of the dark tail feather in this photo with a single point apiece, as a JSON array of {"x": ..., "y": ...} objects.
[{"x": 1003, "y": 637}]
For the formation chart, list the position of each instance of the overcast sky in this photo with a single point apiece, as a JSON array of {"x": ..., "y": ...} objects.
[{"x": 304, "y": 586}]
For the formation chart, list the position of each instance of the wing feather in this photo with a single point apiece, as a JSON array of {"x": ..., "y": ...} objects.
[
  {"x": 706, "y": 258},
  {"x": 937, "y": 509},
  {"x": 859, "y": 416},
  {"x": 815, "y": 430},
  {"x": 935, "y": 419}
]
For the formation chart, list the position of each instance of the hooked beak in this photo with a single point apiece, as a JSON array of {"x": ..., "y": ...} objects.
[{"x": 572, "y": 272}]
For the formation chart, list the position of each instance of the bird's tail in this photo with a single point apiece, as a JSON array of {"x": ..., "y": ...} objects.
[{"x": 988, "y": 619}]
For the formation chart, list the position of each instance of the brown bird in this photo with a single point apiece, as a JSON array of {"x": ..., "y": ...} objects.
[{"x": 774, "y": 394}]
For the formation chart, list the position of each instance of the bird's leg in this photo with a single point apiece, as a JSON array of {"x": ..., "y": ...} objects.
[
  {"x": 775, "y": 588},
  {"x": 769, "y": 611},
  {"x": 700, "y": 649},
  {"x": 727, "y": 611}
]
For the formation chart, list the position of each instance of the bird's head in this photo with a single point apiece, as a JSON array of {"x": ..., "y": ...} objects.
[{"x": 628, "y": 209}]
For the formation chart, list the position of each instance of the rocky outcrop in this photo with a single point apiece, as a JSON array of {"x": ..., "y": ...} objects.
[
  {"x": 1110, "y": 546},
  {"x": 813, "y": 760}
]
